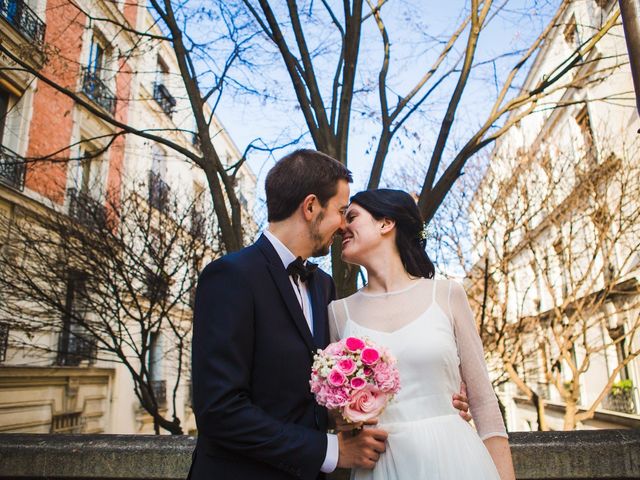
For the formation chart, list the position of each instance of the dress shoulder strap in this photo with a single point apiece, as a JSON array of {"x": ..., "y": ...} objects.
[{"x": 346, "y": 308}]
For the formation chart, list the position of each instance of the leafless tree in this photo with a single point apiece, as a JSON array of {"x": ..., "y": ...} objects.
[
  {"x": 108, "y": 282},
  {"x": 220, "y": 46},
  {"x": 554, "y": 290},
  {"x": 312, "y": 38}
]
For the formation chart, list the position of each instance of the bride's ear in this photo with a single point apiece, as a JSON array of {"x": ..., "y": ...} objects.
[{"x": 387, "y": 225}]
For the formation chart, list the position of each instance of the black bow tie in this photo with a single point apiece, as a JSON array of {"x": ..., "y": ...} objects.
[{"x": 298, "y": 269}]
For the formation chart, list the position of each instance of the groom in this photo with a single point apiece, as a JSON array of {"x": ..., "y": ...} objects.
[{"x": 260, "y": 314}]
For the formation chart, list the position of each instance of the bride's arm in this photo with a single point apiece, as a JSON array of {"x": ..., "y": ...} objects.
[
  {"x": 501, "y": 454},
  {"x": 482, "y": 399}
]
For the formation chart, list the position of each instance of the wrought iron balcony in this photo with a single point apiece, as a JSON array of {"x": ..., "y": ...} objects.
[
  {"x": 75, "y": 347},
  {"x": 622, "y": 401},
  {"x": 159, "y": 388},
  {"x": 4, "y": 340},
  {"x": 198, "y": 224},
  {"x": 157, "y": 287},
  {"x": 164, "y": 98},
  {"x": 12, "y": 168},
  {"x": 158, "y": 192},
  {"x": 23, "y": 19},
  {"x": 67, "y": 423},
  {"x": 95, "y": 88},
  {"x": 86, "y": 210}
]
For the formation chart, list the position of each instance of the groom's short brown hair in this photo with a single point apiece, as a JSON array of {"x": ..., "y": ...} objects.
[{"x": 302, "y": 173}]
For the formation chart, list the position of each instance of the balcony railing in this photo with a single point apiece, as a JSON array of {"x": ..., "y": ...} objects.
[
  {"x": 23, "y": 19},
  {"x": 157, "y": 287},
  {"x": 95, "y": 88},
  {"x": 197, "y": 224},
  {"x": 12, "y": 168},
  {"x": 86, "y": 210},
  {"x": 4, "y": 340},
  {"x": 158, "y": 192},
  {"x": 67, "y": 423},
  {"x": 164, "y": 98},
  {"x": 74, "y": 348},
  {"x": 159, "y": 388},
  {"x": 622, "y": 401}
]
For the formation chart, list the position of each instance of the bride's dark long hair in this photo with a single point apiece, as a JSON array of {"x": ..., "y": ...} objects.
[{"x": 400, "y": 207}]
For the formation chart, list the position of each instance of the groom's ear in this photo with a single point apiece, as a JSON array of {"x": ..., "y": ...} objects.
[{"x": 309, "y": 206}]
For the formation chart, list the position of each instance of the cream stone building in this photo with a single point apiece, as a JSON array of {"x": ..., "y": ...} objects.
[
  {"x": 52, "y": 380},
  {"x": 555, "y": 223}
]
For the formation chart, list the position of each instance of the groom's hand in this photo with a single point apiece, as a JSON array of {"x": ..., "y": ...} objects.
[
  {"x": 339, "y": 424},
  {"x": 461, "y": 402},
  {"x": 361, "y": 450}
]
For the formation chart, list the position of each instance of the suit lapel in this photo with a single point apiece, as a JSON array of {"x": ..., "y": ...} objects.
[
  {"x": 319, "y": 309},
  {"x": 281, "y": 279}
]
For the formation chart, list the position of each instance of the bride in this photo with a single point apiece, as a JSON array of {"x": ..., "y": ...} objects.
[{"x": 428, "y": 326}]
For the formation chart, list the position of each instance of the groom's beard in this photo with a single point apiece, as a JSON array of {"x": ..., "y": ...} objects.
[{"x": 319, "y": 249}]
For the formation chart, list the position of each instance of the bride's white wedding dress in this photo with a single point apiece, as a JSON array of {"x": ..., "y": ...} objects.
[{"x": 430, "y": 330}]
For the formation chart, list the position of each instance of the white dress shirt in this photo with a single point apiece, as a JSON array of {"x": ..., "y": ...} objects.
[{"x": 304, "y": 298}]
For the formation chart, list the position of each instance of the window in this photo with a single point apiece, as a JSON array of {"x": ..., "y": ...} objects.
[
  {"x": 571, "y": 33},
  {"x": 12, "y": 167},
  {"x": 75, "y": 343},
  {"x": 158, "y": 188},
  {"x": 94, "y": 82},
  {"x": 586, "y": 132},
  {"x": 4, "y": 110},
  {"x": 156, "y": 380},
  {"x": 162, "y": 73},
  {"x": 89, "y": 170},
  {"x": 97, "y": 57},
  {"x": 161, "y": 92},
  {"x": 158, "y": 161},
  {"x": 85, "y": 197}
]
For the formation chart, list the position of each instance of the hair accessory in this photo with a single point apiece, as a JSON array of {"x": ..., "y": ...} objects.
[{"x": 424, "y": 234}]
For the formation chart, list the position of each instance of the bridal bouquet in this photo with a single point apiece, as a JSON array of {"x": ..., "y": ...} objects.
[{"x": 355, "y": 377}]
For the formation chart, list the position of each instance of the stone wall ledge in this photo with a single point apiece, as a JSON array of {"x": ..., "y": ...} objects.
[{"x": 593, "y": 454}]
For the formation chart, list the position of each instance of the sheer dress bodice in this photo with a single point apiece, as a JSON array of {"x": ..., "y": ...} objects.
[{"x": 430, "y": 329}]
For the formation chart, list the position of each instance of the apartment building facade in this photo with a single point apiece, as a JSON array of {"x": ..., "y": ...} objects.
[
  {"x": 555, "y": 224},
  {"x": 64, "y": 154}
]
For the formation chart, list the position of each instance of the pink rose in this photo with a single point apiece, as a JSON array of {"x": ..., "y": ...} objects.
[
  {"x": 358, "y": 383},
  {"x": 368, "y": 372},
  {"x": 370, "y": 356},
  {"x": 347, "y": 366},
  {"x": 365, "y": 404},
  {"x": 354, "y": 344},
  {"x": 336, "y": 378}
]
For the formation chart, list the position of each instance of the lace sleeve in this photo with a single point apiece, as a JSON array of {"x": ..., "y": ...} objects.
[
  {"x": 337, "y": 320},
  {"x": 482, "y": 399}
]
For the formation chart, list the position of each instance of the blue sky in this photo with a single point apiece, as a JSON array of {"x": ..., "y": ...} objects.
[{"x": 411, "y": 26}]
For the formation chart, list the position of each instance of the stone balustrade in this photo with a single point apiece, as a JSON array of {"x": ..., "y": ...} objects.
[{"x": 594, "y": 454}]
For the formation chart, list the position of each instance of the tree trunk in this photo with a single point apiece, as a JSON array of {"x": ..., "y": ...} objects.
[
  {"x": 345, "y": 276},
  {"x": 571, "y": 409},
  {"x": 538, "y": 403}
]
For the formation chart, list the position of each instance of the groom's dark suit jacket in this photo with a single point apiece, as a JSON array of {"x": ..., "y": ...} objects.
[{"x": 251, "y": 363}]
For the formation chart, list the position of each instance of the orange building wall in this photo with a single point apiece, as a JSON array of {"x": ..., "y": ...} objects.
[
  {"x": 117, "y": 151},
  {"x": 51, "y": 120}
]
